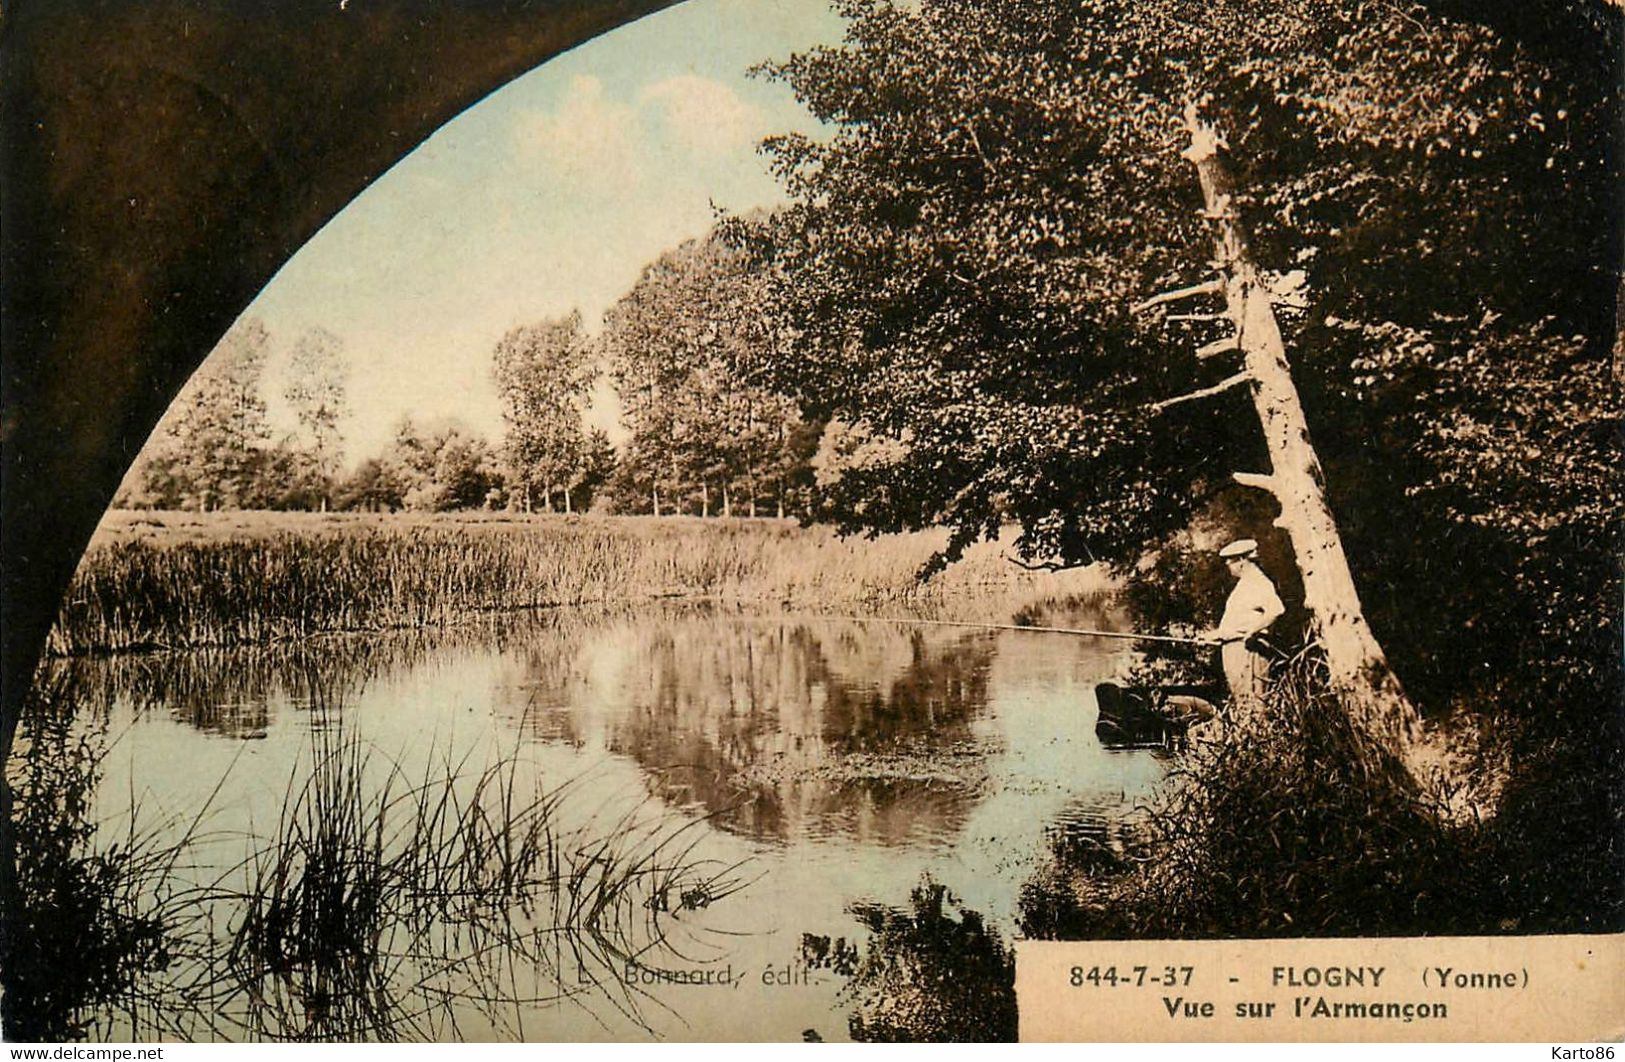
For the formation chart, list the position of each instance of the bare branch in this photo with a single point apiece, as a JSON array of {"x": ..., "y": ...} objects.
[
  {"x": 1046, "y": 566},
  {"x": 1197, "y": 317},
  {"x": 1207, "y": 392},
  {"x": 1207, "y": 287},
  {"x": 976, "y": 142},
  {"x": 1219, "y": 346},
  {"x": 1261, "y": 480}
]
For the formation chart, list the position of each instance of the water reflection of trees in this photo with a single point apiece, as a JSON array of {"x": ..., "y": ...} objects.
[
  {"x": 776, "y": 727},
  {"x": 236, "y": 691},
  {"x": 233, "y": 692},
  {"x": 931, "y": 972},
  {"x": 784, "y": 727}
]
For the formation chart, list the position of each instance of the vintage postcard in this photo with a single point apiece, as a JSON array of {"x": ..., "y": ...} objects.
[{"x": 867, "y": 520}]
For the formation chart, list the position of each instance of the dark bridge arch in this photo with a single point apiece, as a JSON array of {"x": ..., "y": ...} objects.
[{"x": 160, "y": 160}]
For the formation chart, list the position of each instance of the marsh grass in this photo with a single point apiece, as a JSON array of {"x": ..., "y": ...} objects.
[
  {"x": 383, "y": 905},
  {"x": 187, "y": 580},
  {"x": 1287, "y": 824},
  {"x": 390, "y": 914},
  {"x": 98, "y": 909},
  {"x": 391, "y": 906}
]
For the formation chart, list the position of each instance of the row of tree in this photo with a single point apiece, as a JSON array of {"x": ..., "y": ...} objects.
[
  {"x": 215, "y": 448},
  {"x": 701, "y": 438},
  {"x": 683, "y": 347}
]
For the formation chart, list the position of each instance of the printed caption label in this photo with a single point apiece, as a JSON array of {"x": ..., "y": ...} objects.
[{"x": 1561, "y": 989}]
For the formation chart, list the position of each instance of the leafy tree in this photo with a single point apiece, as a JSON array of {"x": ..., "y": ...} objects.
[
  {"x": 598, "y": 465},
  {"x": 153, "y": 481},
  {"x": 213, "y": 449},
  {"x": 632, "y": 488},
  {"x": 373, "y": 487},
  {"x": 683, "y": 347},
  {"x": 545, "y": 373},
  {"x": 291, "y": 477},
  {"x": 1419, "y": 203},
  {"x": 645, "y": 336},
  {"x": 790, "y": 468},
  {"x": 439, "y": 467},
  {"x": 209, "y": 450},
  {"x": 316, "y": 388}
]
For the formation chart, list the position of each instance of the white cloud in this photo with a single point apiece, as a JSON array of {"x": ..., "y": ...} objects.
[
  {"x": 592, "y": 143},
  {"x": 552, "y": 195},
  {"x": 705, "y": 115},
  {"x": 588, "y": 140}
]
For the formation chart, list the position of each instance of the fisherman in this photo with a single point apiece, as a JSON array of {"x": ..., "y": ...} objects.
[{"x": 1251, "y": 607}]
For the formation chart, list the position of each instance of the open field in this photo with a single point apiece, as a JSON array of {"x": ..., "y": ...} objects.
[{"x": 165, "y": 579}]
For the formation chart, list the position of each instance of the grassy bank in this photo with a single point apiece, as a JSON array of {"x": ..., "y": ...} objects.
[
  {"x": 152, "y": 580},
  {"x": 1288, "y": 824}
]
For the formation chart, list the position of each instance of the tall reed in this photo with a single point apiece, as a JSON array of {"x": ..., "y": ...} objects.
[
  {"x": 389, "y": 906},
  {"x": 225, "y": 580},
  {"x": 384, "y": 904}
]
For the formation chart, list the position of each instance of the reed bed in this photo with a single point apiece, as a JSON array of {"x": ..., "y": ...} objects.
[
  {"x": 188, "y": 580},
  {"x": 391, "y": 907},
  {"x": 445, "y": 902}
]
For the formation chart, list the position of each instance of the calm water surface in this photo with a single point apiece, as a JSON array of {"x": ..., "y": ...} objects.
[{"x": 835, "y": 762}]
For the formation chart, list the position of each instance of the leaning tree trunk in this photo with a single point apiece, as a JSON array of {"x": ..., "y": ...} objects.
[{"x": 1358, "y": 667}]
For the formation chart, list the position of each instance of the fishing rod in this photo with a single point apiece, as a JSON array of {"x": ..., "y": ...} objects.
[{"x": 1084, "y": 631}]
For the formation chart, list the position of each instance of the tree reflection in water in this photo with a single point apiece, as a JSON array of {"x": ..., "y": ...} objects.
[
  {"x": 924, "y": 974},
  {"x": 780, "y": 729}
]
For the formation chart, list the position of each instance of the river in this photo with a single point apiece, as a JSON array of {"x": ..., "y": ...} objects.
[{"x": 818, "y": 773}]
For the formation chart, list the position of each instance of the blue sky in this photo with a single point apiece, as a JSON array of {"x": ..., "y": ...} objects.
[{"x": 547, "y": 196}]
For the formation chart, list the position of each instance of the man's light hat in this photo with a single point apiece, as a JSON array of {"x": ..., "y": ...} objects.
[{"x": 1241, "y": 547}]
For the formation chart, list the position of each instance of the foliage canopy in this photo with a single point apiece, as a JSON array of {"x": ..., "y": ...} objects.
[{"x": 1432, "y": 186}]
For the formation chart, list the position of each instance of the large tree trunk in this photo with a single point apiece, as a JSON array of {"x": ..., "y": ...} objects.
[{"x": 1358, "y": 667}]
